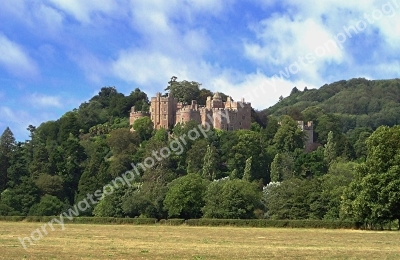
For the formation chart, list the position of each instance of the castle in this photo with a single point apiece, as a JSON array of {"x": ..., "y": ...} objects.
[
  {"x": 308, "y": 128},
  {"x": 166, "y": 112}
]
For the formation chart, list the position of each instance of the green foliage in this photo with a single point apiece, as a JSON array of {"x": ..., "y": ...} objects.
[
  {"x": 144, "y": 127},
  {"x": 339, "y": 176},
  {"x": 247, "y": 170},
  {"x": 356, "y": 103},
  {"x": 48, "y": 206},
  {"x": 242, "y": 145},
  {"x": 311, "y": 164},
  {"x": 198, "y": 150},
  {"x": 6, "y": 210},
  {"x": 185, "y": 196},
  {"x": 86, "y": 148},
  {"x": 22, "y": 197},
  {"x": 295, "y": 199},
  {"x": 7, "y": 148},
  {"x": 210, "y": 163},
  {"x": 330, "y": 149},
  {"x": 122, "y": 141},
  {"x": 111, "y": 205},
  {"x": 185, "y": 91},
  {"x": 50, "y": 185},
  {"x": 273, "y": 223},
  {"x": 289, "y": 136},
  {"x": 374, "y": 195},
  {"x": 282, "y": 167},
  {"x": 231, "y": 199}
]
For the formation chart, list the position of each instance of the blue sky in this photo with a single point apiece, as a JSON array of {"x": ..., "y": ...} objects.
[{"x": 56, "y": 54}]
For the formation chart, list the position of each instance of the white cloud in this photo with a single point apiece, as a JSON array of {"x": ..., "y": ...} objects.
[
  {"x": 83, "y": 11},
  {"x": 34, "y": 15},
  {"x": 258, "y": 89},
  {"x": 143, "y": 68},
  {"x": 94, "y": 68},
  {"x": 40, "y": 100},
  {"x": 15, "y": 59},
  {"x": 281, "y": 40}
]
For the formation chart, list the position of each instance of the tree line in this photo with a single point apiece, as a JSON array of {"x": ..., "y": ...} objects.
[{"x": 263, "y": 172}]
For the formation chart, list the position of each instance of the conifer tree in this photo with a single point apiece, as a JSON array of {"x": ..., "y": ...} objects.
[
  {"x": 330, "y": 149},
  {"x": 247, "y": 169},
  {"x": 7, "y": 147},
  {"x": 210, "y": 163}
]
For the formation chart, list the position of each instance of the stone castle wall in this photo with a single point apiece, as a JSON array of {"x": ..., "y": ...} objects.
[{"x": 165, "y": 112}]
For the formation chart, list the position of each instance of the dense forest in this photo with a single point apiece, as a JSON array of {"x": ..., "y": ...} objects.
[{"x": 351, "y": 173}]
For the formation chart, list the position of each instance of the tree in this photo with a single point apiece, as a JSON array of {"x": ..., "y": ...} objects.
[
  {"x": 330, "y": 149},
  {"x": 360, "y": 146},
  {"x": 48, "y": 206},
  {"x": 111, "y": 205},
  {"x": 339, "y": 176},
  {"x": 374, "y": 194},
  {"x": 325, "y": 124},
  {"x": 7, "y": 148},
  {"x": 94, "y": 177},
  {"x": 234, "y": 174},
  {"x": 231, "y": 199},
  {"x": 184, "y": 91},
  {"x": 40, "y": 163},
  {"x": 247, "y": 170},
  {"x": 294, "y": 91},
  {"x": 295, "y": 199},
  {"x": 21, "y": 197},
  {"x": 185, "y": 196},
  {"x": 123, "y": 141},
  {"x": 198, "y": 150},
  {"x": 144, "y": 127},
  {"x": 247, "y": 144},
  {"x": 69, "y": 124},
  {"x": 312, "y": 164},
  {"x": 282, "y": 167},
  {"x": 210, "y": 163},
  {"x": 289, "y": 136},
  {"x": 50, "y": 185},
  {"x": 18, "y": 166}
]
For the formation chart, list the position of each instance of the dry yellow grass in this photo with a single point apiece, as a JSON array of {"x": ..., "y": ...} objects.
[{"x": 84, "y": 241}]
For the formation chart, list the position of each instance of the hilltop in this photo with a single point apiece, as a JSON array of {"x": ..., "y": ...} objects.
[{"x": 356, "y": 102}]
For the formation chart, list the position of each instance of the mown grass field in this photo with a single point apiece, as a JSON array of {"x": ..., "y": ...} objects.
[{"x": 89, "y": 241}]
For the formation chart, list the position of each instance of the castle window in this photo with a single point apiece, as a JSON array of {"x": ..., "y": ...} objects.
[
  {"x": 165, "y": 116},
  {"x": 240, "y": 123},
  {"x": 243, "y": 117},
  {"x": 165, "y": 110}
]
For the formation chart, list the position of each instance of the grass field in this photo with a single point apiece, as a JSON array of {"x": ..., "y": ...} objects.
[{"x": 88, "y": 241}]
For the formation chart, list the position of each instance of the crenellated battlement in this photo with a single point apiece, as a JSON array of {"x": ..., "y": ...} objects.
[
  {"x": 166, "y": 111},
  {"x": 306, "y": 125}
]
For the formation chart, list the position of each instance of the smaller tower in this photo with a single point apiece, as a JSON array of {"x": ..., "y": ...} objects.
[{"x": 134, "y": 115}]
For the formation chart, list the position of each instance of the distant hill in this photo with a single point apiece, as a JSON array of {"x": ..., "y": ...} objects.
[{"x": 357, "y": 102}]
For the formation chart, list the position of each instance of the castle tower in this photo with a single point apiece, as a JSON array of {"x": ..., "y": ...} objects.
[
  {"x": 134, "y": 115},
  {"x": 308, "y": 128},
  {"x": 217, "y": 101},
  {"x": 163, "y": 110}
]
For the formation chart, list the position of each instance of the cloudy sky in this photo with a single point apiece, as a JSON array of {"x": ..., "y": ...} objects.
[{"x": 56, "y": 54}]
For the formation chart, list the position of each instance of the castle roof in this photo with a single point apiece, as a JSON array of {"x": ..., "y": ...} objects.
[{"x": 217, "y": 95}]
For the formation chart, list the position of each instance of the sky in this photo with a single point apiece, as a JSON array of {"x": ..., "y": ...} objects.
[{"x": 56, "y": 54}]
